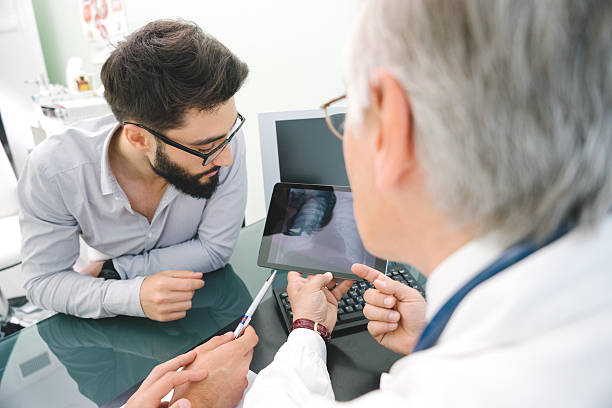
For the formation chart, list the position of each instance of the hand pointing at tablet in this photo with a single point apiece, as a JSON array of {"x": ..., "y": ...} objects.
[
  {"x": 396, "y": 311},
  {"x": 312, "y": 299}
]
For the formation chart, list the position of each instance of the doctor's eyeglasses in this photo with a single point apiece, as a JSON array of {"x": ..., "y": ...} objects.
[{"x": 335, "y": 122}]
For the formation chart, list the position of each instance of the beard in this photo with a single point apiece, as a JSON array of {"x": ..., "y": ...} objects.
[{"x": 183, "y": 181}]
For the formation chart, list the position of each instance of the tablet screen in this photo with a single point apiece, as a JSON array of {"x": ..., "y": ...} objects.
[{"x": 312, "y": 229}]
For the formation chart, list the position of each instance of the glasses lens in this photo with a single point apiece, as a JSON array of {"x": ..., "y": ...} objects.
[
  {"x": 337, "y": 122},
  {"x": 216, "y": 154}
]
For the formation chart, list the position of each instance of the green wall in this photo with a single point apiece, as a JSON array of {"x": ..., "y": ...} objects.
[{"x": 61, "y": 41}]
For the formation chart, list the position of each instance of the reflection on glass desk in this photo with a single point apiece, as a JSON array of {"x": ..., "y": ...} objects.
[
  {"x": 66, "y": 361},
  {"x": 105, "y": 357}
]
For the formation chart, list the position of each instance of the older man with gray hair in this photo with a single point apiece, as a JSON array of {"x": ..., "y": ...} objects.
[{"x": 479, "y": 149}]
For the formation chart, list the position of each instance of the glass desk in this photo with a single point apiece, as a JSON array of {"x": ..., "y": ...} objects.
[{"x": 71, "y": 362}]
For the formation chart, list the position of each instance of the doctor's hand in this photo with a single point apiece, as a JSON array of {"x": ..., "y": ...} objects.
[
  {"x": 227, "y": 362},
  {"x": 316, "y": 297},
  {"x": 162, "y": 379},
  {"x": 166, "y": 295},
  {"x": 396, "y": 311}
]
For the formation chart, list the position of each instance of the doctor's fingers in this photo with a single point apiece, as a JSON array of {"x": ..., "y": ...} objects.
[
  {"x": 215, "y": 342},
  {"x": 247, "y": 341},
  {"x": 365, "y": 272},
  {"x": 169, "y": 381},
  {"x": 377, "y": 298},
  {"x": 379, "y": 314},
  {"x": 342, "y": 288},
  {"x": 379, "y": 328},
  {"x": 168, "y": 366}
]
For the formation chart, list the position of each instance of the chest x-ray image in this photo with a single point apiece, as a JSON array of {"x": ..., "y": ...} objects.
[{"x": 316, "y": 229}]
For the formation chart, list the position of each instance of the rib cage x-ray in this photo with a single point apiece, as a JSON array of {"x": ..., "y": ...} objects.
[
  {"x": 319, "y": 232},
  {"x": 314, "y": 211}
]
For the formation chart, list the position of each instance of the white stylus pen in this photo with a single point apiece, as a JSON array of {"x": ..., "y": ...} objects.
[{"x": 244, "y": 322}]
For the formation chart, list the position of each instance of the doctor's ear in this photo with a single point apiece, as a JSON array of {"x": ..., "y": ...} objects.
[{"x": 394, "y": 145}]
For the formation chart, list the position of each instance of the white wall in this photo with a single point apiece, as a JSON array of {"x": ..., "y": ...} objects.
[
  {"x": 22, "y": 60},
  {"x": 295, "y": 51}
]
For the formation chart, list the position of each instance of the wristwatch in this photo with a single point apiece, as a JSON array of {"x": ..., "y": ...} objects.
[
  {"x": 316, "y": 326},
  {"x": 108, "y": 271}
]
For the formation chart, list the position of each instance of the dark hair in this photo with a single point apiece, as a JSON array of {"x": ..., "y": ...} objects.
[{"x": 166, "y": 68}]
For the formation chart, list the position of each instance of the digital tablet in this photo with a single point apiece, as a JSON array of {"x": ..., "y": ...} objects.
[{"x": 312, "y": 229}]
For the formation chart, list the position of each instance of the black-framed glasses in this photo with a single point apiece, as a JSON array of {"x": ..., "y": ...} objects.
[
  {"x": 207, "y": 158},
  {"x": 335, "y": 122}
]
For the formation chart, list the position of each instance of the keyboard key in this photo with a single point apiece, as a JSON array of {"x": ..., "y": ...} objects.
[
  {"x": 349, "y": 309},
  {"x": 358, "y": 307},
  {"x": 350, "y": 301},
  {"x": 340, "y": 311},
  {"x": 349, "y": 317}
]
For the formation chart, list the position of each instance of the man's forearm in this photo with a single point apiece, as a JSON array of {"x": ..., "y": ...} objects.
[
  {"x": 192, "y": 255},
  {"x": 84, "y": 296}
]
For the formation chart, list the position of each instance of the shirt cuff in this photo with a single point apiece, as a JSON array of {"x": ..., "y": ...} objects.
[
  {"x": 123, "y": 297},
  {"x": 310, "y": 340}
]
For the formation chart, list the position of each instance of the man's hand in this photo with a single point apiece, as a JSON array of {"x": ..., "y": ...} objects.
[
  {"x": 92, "y": 269},
  {"x": 167, "y": 295},
  {"x": 227, "y": 362},
  {"x": 162, "y": 379},
  {"x": 396, "y": 311},
  {"x": 312, "y": 299}
]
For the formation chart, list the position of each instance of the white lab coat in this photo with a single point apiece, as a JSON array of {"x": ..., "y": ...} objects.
[{"x": 538, "y": 334}]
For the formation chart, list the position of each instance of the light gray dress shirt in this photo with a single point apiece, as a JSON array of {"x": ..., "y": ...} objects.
[{"x": 68, "y": 190}]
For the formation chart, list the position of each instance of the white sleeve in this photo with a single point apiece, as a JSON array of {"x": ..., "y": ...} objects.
[{"x": 297, "y": 377}]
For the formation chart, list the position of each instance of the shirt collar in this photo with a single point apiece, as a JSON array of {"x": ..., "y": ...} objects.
[
  {"x": 108, "y": 182},
  {"x": 462, "y": 265}
]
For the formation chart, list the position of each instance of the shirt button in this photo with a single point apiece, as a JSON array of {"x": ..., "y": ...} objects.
[{"x": 149, "y": 235}]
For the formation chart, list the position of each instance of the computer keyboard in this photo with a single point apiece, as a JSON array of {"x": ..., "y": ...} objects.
[{"x": 350, "y": 306}]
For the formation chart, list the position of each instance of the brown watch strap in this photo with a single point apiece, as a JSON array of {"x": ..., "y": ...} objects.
[{"x": 312, "y": 325}]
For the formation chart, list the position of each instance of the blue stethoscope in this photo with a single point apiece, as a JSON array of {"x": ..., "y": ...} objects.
[{"x": 511, "y": 256}]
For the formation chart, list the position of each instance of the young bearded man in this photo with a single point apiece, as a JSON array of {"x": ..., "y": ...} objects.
[{"x": 159, "y": 187}]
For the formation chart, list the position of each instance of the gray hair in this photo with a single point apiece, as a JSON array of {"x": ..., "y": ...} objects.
[{"x": 511, "y": 102}]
